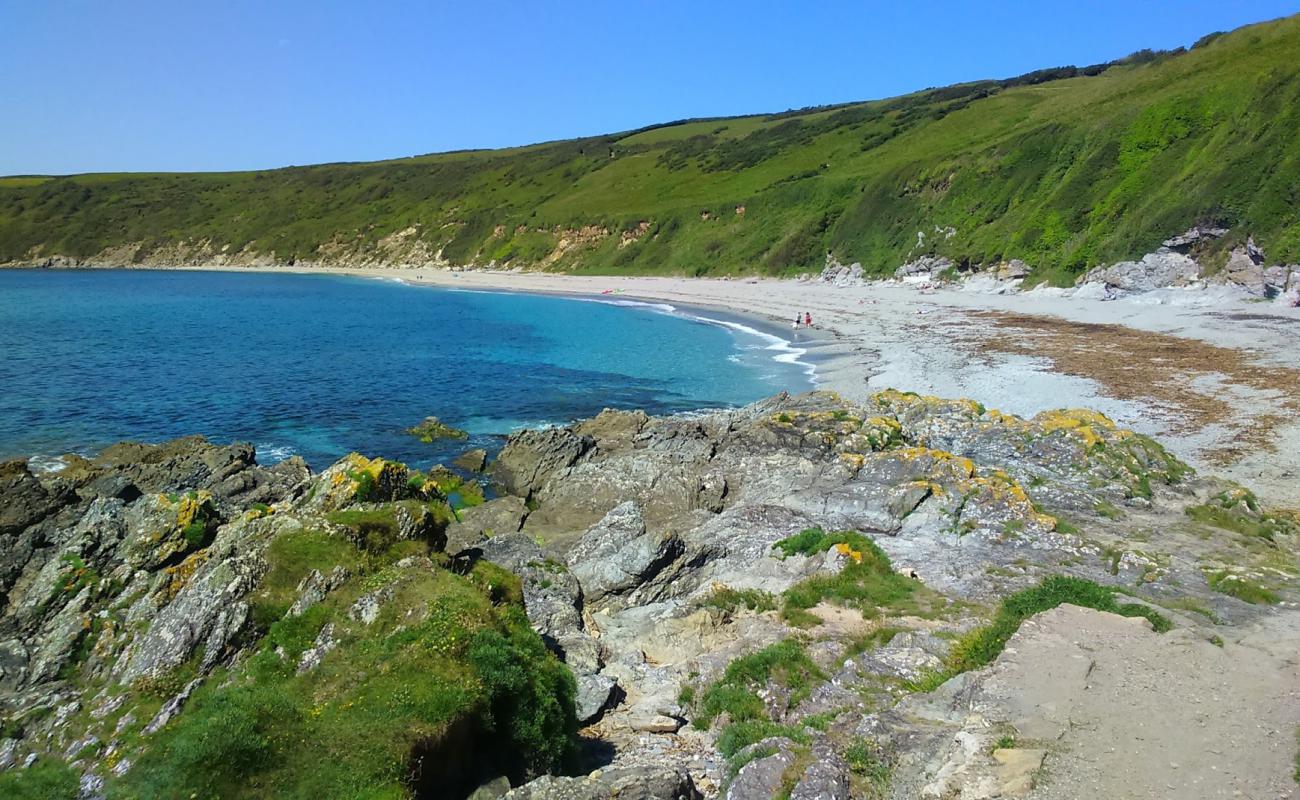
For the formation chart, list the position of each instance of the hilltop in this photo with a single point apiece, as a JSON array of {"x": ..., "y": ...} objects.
[{"x": 1065, "y": 168}]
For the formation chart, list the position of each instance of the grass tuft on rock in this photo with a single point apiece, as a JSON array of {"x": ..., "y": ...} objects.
[
  {"x": 981, "y": 646},
  {"x": 867, "y": 581}
]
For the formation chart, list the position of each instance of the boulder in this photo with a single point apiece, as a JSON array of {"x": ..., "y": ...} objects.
[
  {"x": 1156, "y": 270},
  {"x": 530, "y": 458},
  {"x": 1245, "y": 269},
  {"x": 595, "y": 692},
  {"x": 1014, "y": 269},
  {"x": 430, "y": 429},
  {"x": 617, "y": 554},
  {"x": 498, "y": 517},
  {"x": 472, "y": 460}
]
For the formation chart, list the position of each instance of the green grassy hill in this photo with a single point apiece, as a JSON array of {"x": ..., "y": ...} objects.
[{"x": 1065, "y": 169}]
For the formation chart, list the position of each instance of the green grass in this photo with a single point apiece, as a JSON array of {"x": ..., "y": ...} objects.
[
  {"x": 870, "y": 768},
  {"x": 450, "y": 663},
  {"x": 982, "y": 645},
  {"x": 1240, "y": 519},
  {"x": 47, "y": 779},
  {"x": 1063, "y": 168},
  {"x": 729, "y": 601},
  {"x": 1234, "y": 585},
  {"x": 867, "y": 581}
]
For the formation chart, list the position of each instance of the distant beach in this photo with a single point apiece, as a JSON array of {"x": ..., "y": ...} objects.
[{"x": 1216, "y": 380}]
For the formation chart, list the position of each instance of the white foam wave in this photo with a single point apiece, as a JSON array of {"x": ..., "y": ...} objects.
[
  {"x": 785, "y": 351},
  {"x": 47, "y": 464},
  {"x": 274, "y": 453}
]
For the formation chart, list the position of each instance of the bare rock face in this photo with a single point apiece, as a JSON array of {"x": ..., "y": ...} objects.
[
  {"x": 531, "y": 457},
  {"x": 1196, "y": 235},
  {"x": 617, "y": 554}
]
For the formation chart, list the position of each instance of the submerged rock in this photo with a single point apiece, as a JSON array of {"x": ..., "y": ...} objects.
[{"x": 431, "y": 429}]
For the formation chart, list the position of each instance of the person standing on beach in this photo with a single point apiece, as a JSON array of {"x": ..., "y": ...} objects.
[
  {"x": 796, "y": 319},
  {"x": 807, "y": 319}
]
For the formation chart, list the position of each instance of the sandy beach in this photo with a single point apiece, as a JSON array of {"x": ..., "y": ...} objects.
[{"x": 1216, "y": 379}]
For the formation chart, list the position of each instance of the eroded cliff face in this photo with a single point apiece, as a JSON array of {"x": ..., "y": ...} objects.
[{"x": 731, "y": 602}]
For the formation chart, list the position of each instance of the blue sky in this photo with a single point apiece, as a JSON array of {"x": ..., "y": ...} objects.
[{"x": 94, "y": 85}]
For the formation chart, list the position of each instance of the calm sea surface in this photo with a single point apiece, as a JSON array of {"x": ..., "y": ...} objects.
[{"x": 322, "y": 365}]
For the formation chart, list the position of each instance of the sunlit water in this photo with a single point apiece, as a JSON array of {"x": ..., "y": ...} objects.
[{"x": 322, "y": 365}]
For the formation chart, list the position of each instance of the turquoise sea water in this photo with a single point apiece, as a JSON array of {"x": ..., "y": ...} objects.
[{"x": 321, "y": 365}]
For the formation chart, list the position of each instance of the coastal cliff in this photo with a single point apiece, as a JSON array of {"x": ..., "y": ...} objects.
[{"x": 804, "y": 597}]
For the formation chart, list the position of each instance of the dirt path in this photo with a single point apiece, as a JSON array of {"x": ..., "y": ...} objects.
[{"x": 1126, "y": 713}]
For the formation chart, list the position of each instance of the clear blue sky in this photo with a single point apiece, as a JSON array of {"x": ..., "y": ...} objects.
[{"x": 100, "y": 85}]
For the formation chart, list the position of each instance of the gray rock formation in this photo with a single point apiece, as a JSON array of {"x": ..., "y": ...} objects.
[
  {"x": 932, "y": 265},
  {"x": 1165, "y": 267}
]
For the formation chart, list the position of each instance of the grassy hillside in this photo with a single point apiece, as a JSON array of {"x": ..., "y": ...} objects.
[{"x": 1064, "y": 168}]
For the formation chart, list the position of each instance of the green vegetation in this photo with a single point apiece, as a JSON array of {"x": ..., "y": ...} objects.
[
  {"x": 867, "y": 582},
  {"x": 449, "y": 666},
  {"x": 728, "y": 600},
  {"x": 1238, "y": 510},
  {"x": 735, "y": 694},
  {"x": 47, "y": 779},
  {"x": 1005, "y": 742},
  {"x": 1064, "y": 168},
  {"x": 981, "y": 646},
  {"x": 1234, "y": 585},
  {"x": 432, "y": 429},
  {"x": 870, "y": 768}
]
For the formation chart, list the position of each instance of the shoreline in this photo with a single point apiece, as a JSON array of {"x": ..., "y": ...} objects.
[{"x": 1215, "y": 380}]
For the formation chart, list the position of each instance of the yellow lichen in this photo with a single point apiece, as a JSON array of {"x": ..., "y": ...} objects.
[{"x": 180, "y": 575}]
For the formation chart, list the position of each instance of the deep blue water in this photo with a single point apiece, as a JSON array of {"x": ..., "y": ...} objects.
[{"x": 321, "y": 365}]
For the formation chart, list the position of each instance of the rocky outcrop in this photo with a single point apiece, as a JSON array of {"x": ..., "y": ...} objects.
[
  {"x": 431, "y": 429},
  {"x": 1156, "y": 270},
  {"x": 925, "y": 265},
  {"x": 650, "y": 555}
]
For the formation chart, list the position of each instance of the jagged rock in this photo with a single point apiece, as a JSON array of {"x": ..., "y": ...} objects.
[
  {"x": 1245, "y": 269},
  {"x": 514, "y": 551},
  {"x": 497, "y": 517},
  {"x": 8, "y": 753},
  {"x": 624, "y": 783},
  {"x": 531, "y": 457},
  {"x": 313, "y": 588},
  {"x": 472, "y": 460},
  {"x": 617, "y": 554},
  {"x": 171, "y": 708},
  {"x": 613, "y": 428},
  {"x": 1012, "y": 270},
  {"x": 312, "y": 656},
  {"x": 367, "y": 607},
  {"x": 839, "y": 274},
  {"x": 355, "y": 479},
  {"x": 762, "y": 778},
  {"x": 1194, "y": 236},
  {"x": 23, "y": 500}
]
